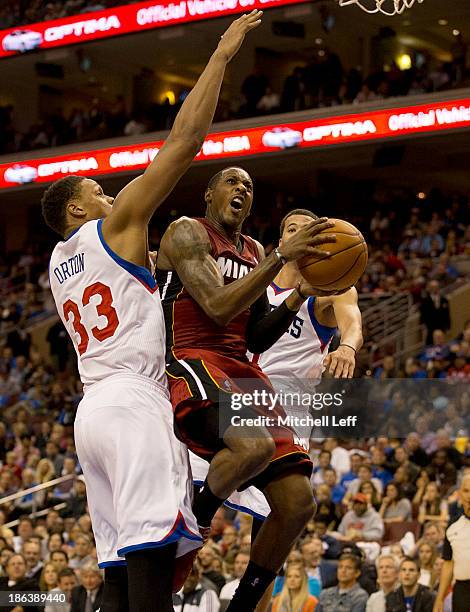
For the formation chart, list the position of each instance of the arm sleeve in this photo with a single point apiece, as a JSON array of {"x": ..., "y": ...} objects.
[
  {"x": 447, "y": 550},
  {"x": 265, "y": 327}
]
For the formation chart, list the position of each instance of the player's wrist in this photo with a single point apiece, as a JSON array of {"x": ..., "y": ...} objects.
[
  {"x": 349, "y": 346},
  {"x": 280, "y": 255}
]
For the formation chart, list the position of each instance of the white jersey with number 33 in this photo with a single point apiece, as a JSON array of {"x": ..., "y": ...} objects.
[
  {"x": 300, "y": 351},
  {"x": 110, "y": 307}
]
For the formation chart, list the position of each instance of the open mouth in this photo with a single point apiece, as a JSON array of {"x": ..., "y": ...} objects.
[{"x": 237, "y": 204}]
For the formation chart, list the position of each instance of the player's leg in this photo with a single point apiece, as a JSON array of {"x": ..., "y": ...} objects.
[
  {"x": 104, "y": 523},
  {"x": 115, "y": 591},
  {"x": 292, "y": 505},
  {"x": 150, "y": 571},
  {"x": 242, "y": 459}
]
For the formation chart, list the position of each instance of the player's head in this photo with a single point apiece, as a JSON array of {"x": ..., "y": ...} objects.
[
  {"x": 72, "y": 201},
  {"x": 295, "y": 220},
  {"x": 229, "y": 196}
]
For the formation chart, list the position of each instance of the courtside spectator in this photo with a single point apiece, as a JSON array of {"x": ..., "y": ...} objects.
[
  {"x": 67, "y": 582},
  {"x": 348, "y": 595},
  {"x": 295, "y": 593},
  {"x": 195, "y": 596},
  {"x": 88, "y": 596},
  {"x": 387, "y": 579},
  {"x": 228, "y": 590},
  {"x": 410, "y": 595}
]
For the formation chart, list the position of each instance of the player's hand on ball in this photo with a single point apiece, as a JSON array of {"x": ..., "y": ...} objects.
[
  {"x": 307, "y": 240},
  {"x": 341, "y": 363},
  {"x": 232, "y": 39}
]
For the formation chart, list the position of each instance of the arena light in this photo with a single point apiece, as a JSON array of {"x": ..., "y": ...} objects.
[
  {"x": 351, "y": 128},
  {"x": 120, "y": 20},
  {"x": 404, "y": 61}
]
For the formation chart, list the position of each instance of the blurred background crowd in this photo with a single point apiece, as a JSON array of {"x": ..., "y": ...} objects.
[{"x": 323, "y": 82}]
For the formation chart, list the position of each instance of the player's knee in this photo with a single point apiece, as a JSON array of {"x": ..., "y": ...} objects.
[
  {"x": 299, "y": 503},
  {"x": 257, "y": 454}
]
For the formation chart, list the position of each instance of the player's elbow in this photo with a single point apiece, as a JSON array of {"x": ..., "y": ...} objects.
[
  {"x": 216, "y": 313},
  {"x": 189, "y": 139}
]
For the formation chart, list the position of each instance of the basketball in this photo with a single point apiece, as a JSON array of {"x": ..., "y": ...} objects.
[{"x": 346, "y": 264}]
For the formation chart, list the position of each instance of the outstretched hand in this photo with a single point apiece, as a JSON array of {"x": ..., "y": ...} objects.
[{"x": 233, "y": 37}]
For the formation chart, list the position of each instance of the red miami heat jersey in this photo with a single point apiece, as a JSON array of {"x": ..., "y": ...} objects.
[
  {"x": 187, "y": 325},
  {"x": 110, "y": 307},
  {"x": 300, "y": 351}
]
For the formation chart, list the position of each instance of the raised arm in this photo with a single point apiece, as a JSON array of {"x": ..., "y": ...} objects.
[
  {"x": 186, "y": 248},
  {"x": 137, "y": 202},
  {"x": 347, "y": 315}
]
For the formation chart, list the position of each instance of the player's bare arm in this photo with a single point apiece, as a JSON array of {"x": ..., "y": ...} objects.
[
  {"x": 186, "y": 248},
  {"x": 135, "y": 204},
  {"x": 342, "y": 311}
]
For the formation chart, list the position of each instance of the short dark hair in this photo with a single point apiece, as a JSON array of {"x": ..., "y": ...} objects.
[
  {"x": 65, "y": 573},
  {"x": 56, "y": 197},
  {"x": 410, "y": 560},
  {"x": 297, "y": 211},
  {"x": 216, "y": 178},
  {"x": 59, "y": 552},
  {"x": 357, "y": 561}
]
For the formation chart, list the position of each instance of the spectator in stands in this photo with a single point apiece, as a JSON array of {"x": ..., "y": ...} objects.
[
  {"x": 434, "y": 310},
  {"x": 331, "y": 547},
  {"x": 67, "y": 581},
  {"x": 362, "y": 525},
  {"x": 324, "y": 462},
  {"x": 387, "y": 579},
  {"x": 434, "y": 534},
  {"x": 433, "y": 508},
  {"x": 348, "y": 595},
  {"x": 321, "y": 571},
  {"x": 32, "y": 554},
  {"x": 380, "y": 467},
  {"x": 326, "y": 509},
  {"x": 372, "y": 494},
  {"x": 53, "y": 454},
  {"x": 228, "y": 590},
  {"x": 337, "y": 491},
  {"x": 59, "y": 559},
  {"x": 15, "y": 579},
  {"x": 364, "y": 474},
  {"x": 410, "y": 595},
  {"x": 89, "y": 595},
  {"x": 402, "y": 478},
  {"x": 443, "y": 471},
  {"x": 206, "y": 557},
  {"x": 295, "y": 593},
  {"x": 444, "y": 443},
  {"x": 395, "y": 507},
  {"x": 387, "y": 369},
  {"x": 402, "y": 458},
  {"x": 269, "y": 103},
  {"x": 196, "y": 595},
  {"x": 49, "y": 578},
  {"x": 427, "y": 555},
  {"x": 339, "y": 457},
  {"x": 81, "y": 553},
  {"x": 356, "y": 460}
]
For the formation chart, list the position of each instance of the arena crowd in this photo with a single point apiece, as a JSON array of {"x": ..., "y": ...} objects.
[
  {"x": 383, "y": 502},
  {"x": 323, "y": 82}
]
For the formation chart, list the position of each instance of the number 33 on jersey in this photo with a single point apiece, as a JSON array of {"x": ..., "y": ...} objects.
[{"x": 110, "y": 307}]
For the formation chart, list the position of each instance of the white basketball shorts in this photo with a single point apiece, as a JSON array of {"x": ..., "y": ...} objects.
[
  {"x": 251, "y": 500},
  {"x": 136, "y": 471}
]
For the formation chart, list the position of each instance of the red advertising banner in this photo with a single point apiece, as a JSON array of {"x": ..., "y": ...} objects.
[
  {"x": 358, "y": 127},
  {"x": 122, "y": 20}
]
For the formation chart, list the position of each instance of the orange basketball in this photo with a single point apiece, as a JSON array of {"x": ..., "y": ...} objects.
[{"x": 346, "y": 264}]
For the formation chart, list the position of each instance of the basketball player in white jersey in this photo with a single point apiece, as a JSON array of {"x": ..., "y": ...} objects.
[
  {"x": 301, "y": 352},
  {"x": 135, "y": 469}
]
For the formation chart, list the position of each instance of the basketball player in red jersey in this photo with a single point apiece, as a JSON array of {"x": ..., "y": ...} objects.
[{"x": 213, "y": 285}]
